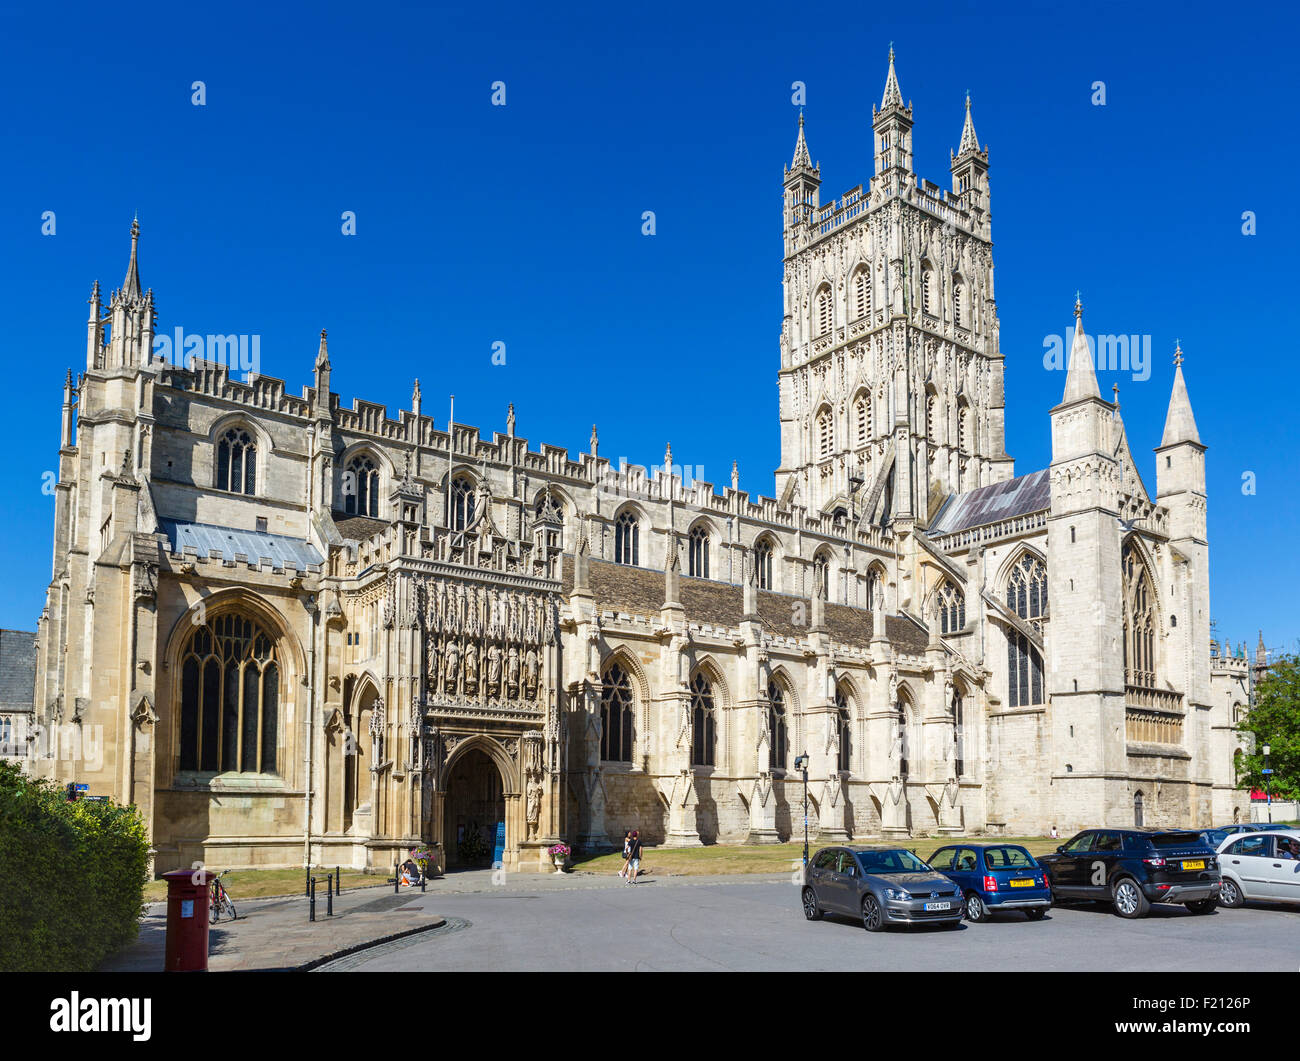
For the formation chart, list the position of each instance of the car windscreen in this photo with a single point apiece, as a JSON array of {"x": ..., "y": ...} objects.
[
  {"x": 1174, "y": 839},
  {"x": 1007, "y": 858},
  {"x": 891, "y": 862}
]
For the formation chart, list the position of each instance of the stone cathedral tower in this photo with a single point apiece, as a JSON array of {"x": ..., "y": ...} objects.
[{"x": 891, "y": 395}]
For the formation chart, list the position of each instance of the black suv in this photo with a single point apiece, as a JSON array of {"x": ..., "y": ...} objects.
[{"x": 1133, "y": 868}]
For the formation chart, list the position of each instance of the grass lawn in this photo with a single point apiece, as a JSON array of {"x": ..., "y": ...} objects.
[
  {"x": 775, "y": 858},
  {"x": 256, "y": 883}
]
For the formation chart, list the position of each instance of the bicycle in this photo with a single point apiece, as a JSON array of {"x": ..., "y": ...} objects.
[{"x": 218, "y": 901}]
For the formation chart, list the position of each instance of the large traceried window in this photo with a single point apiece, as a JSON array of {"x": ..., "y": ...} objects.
[
  {"x": 825, "y": 434},
  {"x": 230, "y": 698},
  {"x": 844, "y": 756},
  {"x": 861, "y": 293},
  {"x": 627, "y": 539},
  {"x": 1139, "y": 620},
  {"x": 237, "y": 462},
  {"x": 704, "y": 725},
  {"x": 779, "y": 745},
  {"x": 1027, "y": 597},
  {"x": 952, "y": 608},
  {"x": 825, "y": 314},
  {"x": 763, "y": 562},
  {"x": 361, "y": 487},
  {"x": 462, "y": 502},
  {"x": 698, "y": 553},
  {"x": 616, "y": 702}
]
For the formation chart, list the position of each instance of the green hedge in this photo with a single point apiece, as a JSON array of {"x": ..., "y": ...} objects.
[{"x": 72, "y": 877}]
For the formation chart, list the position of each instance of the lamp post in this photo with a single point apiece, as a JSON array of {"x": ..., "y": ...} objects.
[
  {"x": 801, "y": 764},
  {"x": 1268, "y": 779}
]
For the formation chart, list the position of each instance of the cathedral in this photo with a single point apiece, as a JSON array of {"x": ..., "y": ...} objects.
[{"x": 293, "y": 631}]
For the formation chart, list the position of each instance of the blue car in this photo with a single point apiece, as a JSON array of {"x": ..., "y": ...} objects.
[{"x": 995, "y": 877}]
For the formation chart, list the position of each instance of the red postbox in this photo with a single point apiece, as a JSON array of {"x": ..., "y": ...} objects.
[{"x": 187, "y": 921}]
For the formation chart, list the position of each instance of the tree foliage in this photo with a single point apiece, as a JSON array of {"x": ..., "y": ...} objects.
[
  {"x": 1275, "y": 721},
  {"x": 72, "y": 876}
]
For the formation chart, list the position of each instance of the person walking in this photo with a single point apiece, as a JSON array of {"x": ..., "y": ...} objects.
[
  {"x": 633, "y": 856},
  {"x": 627, "y": 847}
]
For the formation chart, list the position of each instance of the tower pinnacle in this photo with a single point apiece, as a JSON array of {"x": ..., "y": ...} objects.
[
  {"x": 1180, "y": 424},
  {"x": 969, "y": 141},
  {"x": 893, "y": 97},
  {"x": 801, "y": 157},
  {"x": 1081, "y": 378},
  {"x": 131, "y": 285}
]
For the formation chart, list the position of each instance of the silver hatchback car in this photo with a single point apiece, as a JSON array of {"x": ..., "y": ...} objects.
[{"x": 881, "y": 886}]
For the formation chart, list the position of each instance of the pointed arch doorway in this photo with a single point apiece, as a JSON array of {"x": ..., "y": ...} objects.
[{"x": 475, "y": 812}]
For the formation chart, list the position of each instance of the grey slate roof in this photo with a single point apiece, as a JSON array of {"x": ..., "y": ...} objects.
[
  {"x": 17, "y": 670},
  {"x": 204, "y": 539},
  {"x": 989, "y": 504}
]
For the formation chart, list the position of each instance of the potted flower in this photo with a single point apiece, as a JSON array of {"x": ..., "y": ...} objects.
[{"x": 558, "y": 853}]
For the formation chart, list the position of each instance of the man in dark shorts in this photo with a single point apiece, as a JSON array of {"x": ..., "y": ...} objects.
[{"x": 633, "y": 856}]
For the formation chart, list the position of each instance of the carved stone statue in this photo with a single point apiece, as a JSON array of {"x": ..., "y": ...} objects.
[
  {"x": 494, "y": 668},
  {"x": 451, "y": 667},
  {"x": 531, "y": 673},
  {"x": 471, "y": 667},
  {"x": 534, "y": 803},
  {"x": 879, "y": 599},
  {"x": 512, "y": 670}
]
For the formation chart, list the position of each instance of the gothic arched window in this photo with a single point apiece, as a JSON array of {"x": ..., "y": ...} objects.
[
  {"x": 825, "y": 434},
  {"x": 704, "y": 736},
  {"x": 1027, "y": 597},
  {"x": 1137, "y": 810},
  {"x": 616, "y": 716},
  {"x": 931, "y": 403},
  {"x": 462, "y": 502},
  {"x": 959, "y": 733},
  {"x": 230, "y": 698},
  {"x": 825, "y": 315},
  {"x": 778, "y": 747},
  {"x": 844, "y": 731},
  {"x": 963, "y": 428},
  {"x": 698, "y": 553},
  {"x": 901, "y": 708},
  {"x": 627, "y": 539},
  {"x": 927, "y": 285},
  {"x": 1139, "y": 620},
  {"x": 361, "y": 487},
  {"x": 861, "y": 293},
  {"x": 862, "y": 419},
  {"x": 958, "y": 301},
  {"x": 952, "y": 608},
  {"x": 822, "y": 573},
  {"x": 237, "y": 462},
  {"x": 763, "y": 562}
]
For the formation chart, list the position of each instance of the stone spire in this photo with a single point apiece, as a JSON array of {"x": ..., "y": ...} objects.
[
  {"x": 323, "y": 354},
  {"x": 892, "y": 97},
  {"x": 801, "y": 157},
  {"x": 1180, "y": 424},
  {"x": 1081, "y": 379},
  {"x": 131, "y": 285},
  {"x": 969, "y": 141}
]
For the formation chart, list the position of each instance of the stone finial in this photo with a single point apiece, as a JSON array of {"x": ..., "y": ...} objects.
[
  {"x": 594, "y": 442},
  {"x": 735, "y": 475}
]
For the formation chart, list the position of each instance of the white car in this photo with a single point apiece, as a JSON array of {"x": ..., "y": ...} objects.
[{"x": 1263, "y": 866}]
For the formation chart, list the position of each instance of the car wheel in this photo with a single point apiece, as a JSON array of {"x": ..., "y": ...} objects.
[
  {"x": 1035, "y": 914},
  {"x": 811, "y": 910},
  {"x": 872, "y": 919},
  {"x": 1128, "y": 898},
  {"x": 976, "y": 911},
  {"x": 1230, "y": 894},
  {"x": 1204, "y": 906}
]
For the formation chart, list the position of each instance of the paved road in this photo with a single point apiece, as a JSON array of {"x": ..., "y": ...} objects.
[{"x": 677, "y": 924}]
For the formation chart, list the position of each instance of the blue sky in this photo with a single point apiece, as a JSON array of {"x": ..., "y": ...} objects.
[{"x": 522, "y": 224}]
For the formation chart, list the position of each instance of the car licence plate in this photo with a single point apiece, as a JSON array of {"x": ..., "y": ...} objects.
[
  {"x": 938, "y": 906},
  {"x": 1198, "y": 864},
  {"x": 1026, "y": 882}
]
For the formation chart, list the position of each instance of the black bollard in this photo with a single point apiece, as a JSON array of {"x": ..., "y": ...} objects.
[
  {"x": 306, "y": 883},
  {"x": 421, "y": 882},
  {"x": 338, "y": 881},
  {"x": 397, "y": 877},
  {"x": 329, "y": 895},
  {"x": 311, "y": 891}
]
